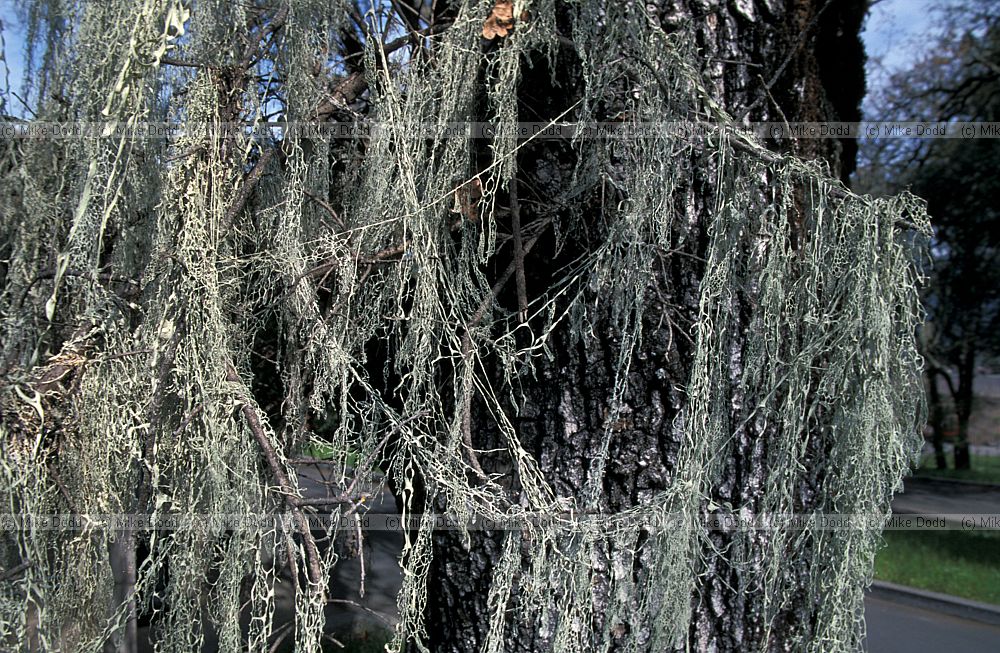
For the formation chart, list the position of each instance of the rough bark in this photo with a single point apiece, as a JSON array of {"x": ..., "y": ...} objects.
[{"x": 801, "y": 61}]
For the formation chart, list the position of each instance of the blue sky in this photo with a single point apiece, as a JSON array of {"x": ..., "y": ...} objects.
[
  {"x": 896, "y": 34},
  {"x": 894, "y": 27},
  {"x": 11, "y": 68}
]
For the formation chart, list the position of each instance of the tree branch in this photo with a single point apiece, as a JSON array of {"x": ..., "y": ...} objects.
[
  {"x": 246, "y": 190},
  {"x": 515, "y": 221},
  {"x": 287, "y": 491}
]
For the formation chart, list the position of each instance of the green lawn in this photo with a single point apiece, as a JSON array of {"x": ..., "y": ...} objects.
[
  {"x": 327, "y": 452},
  {"x": 984, "y": 469},
  {"x": 959, "y": 563}
]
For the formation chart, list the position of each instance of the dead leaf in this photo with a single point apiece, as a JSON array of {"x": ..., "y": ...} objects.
[
  {"x": 467, "y": 198},
  {"x": 504, "y": 10},
  {"x": 500, "y": 21}
]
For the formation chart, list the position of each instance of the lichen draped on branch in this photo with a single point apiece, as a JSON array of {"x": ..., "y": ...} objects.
[{"x": 142, "y": 277}]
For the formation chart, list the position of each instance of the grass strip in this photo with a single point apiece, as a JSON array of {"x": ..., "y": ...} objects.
[{"x": 960, "y": 563}]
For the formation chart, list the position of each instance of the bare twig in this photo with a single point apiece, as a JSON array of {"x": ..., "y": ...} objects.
[
  {"x": 287, "y": 491},
  {"x": 334, "y": 500},
  {"x": 165, "y": 365},
  {"x": 272, "y": 26},
  {"x": 246, "y": 190},
  {"x": 806, "y": 31},
  {"x": 326, "y": 207},
  {"x": 467, "y": 415},
  {"x": 124, "y": 354},
  {"x": 280, "y": 633},
  {"x": 170, "y": 61},
  {"x": 467, "y": 347},
  {"x": 346, "y": 92},
  {"x": 357, "y": 605},
  {"x": 505, "y": 277},
  {"x": 15, "y": 570},
  {"x": 467, "y": 407},
  {"x": 24, "y": 104},
  {"x": 515, "y": 223},
  {"x": 194, "y": 412},
  {"x": 381, "y": 256},
  {"x": 62, "y": 489},
  {"x": 366, "y": 462},
  {"x": 349, "y": 495},
  {"x": 312, "y": 461},
  {"x": 334, "y": 640},
  {"x": 361, "y": 553},
  {"x": 51, "y": 274}
]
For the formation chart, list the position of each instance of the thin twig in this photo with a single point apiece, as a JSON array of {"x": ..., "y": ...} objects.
[
  {"x": 381, "y": 256},
  {"x": 515, "y": 222},
  {"x": 246, "y": 190},
  {"x": 15, "y": 570},
  {"x": 287, "y": 491},
  {"x": 166, "y": 364},
  {"x": 355, "y": 505},
  {"x": 326, "y": 207},
  {"x": 272, "y": 26},
  {"x": 361, "y": 554},
  {"x": 25, "y": 104},
  {"x": 504, "y": 278},
  {"x": 124, "y": 354},
  {"x": 467, "y": 349},
  {"x": 62, "y": 489},
  {"x": 330, "y": 501},
  {"x": 170, "y": 61},
  {"x": 187, "y": 420},
  {"x": 366, "y": 462},
  {"x": 467, "y": 414},
  {"x": 788, "y": 59},
  {"x": 281, "y": 632},
  {"x": 334, "y": 640},
  {"x": 349, "y": 495},
  {"x": 312, "y": 461},
  {"x": 361, "y": 607}
]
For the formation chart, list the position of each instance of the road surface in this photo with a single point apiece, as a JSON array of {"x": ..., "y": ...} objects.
[
  {"x": 897, "y": 628},
  {"x": 932, "y": 496}
]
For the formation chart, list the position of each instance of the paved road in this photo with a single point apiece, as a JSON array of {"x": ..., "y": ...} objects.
[
  {"x": 930, "y": 496},
  {"x": 897, "y": 628},
  {"x": 352, "y": 612}
]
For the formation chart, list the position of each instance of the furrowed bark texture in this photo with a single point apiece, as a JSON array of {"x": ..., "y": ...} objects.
[{"x": 798, "y": 60}]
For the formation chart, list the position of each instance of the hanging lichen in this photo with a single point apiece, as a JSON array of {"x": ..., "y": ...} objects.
[{"x": 139, "y": 274}]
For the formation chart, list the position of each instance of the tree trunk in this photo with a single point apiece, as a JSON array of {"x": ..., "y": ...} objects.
[
  {"x": 963, "y": 403},
  {"x": 937, "y": 418},
  {"x": 812, "y": 59}
]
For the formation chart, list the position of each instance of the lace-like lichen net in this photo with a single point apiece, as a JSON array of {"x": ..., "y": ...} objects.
[{"x": 141, "y": 390}]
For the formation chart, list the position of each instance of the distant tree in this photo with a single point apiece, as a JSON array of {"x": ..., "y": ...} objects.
[{"x": 957, "y": 80}]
